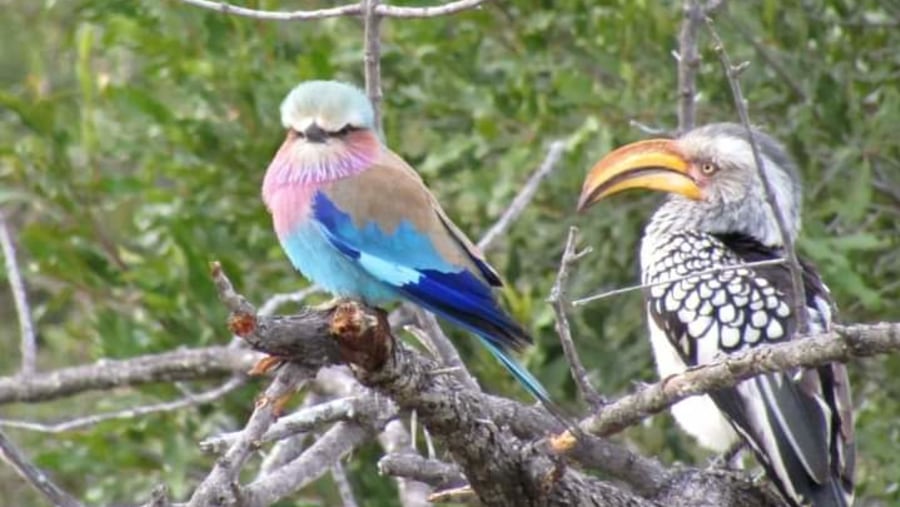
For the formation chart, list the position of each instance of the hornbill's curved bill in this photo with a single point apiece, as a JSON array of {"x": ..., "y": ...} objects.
[
  {"x": 655, "y": 164},
  {"x": 798, "y": 423}
]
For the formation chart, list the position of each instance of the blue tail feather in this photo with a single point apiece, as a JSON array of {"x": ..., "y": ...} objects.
[{"x": 532, "y": 384}]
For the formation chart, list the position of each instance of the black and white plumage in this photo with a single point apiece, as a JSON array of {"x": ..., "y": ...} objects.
[{"x": 798, "y": 423}]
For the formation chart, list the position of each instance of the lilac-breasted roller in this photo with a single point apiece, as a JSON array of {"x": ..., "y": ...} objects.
[{"x": 357, "y": 220}]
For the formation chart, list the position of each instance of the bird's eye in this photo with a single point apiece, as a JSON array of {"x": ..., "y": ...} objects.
[
  {"x": 346, "y": 129},
  {"x": 708, "y": 168},
  {"x": 298, "y": 133}
]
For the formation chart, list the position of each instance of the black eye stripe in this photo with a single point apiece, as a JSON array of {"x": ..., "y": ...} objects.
[{"x": 346, "y": 129}]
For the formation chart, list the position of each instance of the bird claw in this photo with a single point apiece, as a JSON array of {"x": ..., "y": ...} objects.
[
  {"x": 328, "y": 306},
  {"x": 265, "y": 365}
]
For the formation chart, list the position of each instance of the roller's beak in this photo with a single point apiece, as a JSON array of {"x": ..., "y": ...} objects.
[{"x": 656, "y": 164}]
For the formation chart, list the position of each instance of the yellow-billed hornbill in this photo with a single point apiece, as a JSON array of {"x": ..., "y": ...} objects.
[{"x": 798, "y": 423}]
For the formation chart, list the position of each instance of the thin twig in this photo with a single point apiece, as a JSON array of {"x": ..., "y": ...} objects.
[
  {"x": 776, "y": 65},
  {"x": 337, "y": 442},
  {"x": 130, "y": 413},
  {"x": 345, "y": 489},
  {"x": 439, "y": 341},
  {"x": 28, "y": 344},
  {"x": 278, "y": 300},
  {"x": 287, "y": 449},
  {"x": 388, "y": 11},
  {"x": 524, "y": 197},
  {"x": 653, "y": 131},
  {"x": 688, "y": 62},
  {"x": 372, "y": 58},
  {"x": 301, "y": 421},
  {"x": 391, "y": 11},
  {"x": 415, "y": 467},
  {"x": 740, "y": 103},
  {"x": 623, "y": 290},
  {"x": 396, "y": 440},
  {"x": 560, "y": 305},
  {"x": 225, "y": 472},
  {"x": 35, "y": 476}
]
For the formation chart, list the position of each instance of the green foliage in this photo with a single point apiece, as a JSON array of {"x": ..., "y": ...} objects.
[{"x": 134, "y": 136}]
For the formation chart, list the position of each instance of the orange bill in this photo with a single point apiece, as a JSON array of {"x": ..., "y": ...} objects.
[{"x": 655, "y": 164}]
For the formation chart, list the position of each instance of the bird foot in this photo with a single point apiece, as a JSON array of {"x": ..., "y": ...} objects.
[
  {"x": 328, "y": 306},
  {"x": 265, "y": 365}
]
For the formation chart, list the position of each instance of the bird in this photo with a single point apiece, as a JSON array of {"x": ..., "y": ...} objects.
[
  {"x": 354, "y": 218},
  {"x": 798, "y": 423}
]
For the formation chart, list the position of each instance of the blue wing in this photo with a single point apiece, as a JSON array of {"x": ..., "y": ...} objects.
[{"x": 408, "y": 260}]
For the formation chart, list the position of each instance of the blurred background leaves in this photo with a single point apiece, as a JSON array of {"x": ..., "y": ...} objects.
[{"x": 134, "y": 136}]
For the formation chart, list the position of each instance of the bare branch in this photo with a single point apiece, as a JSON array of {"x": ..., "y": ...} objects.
[
  {"x": 524, "y": 197},
  {"x": 372, "y": 58},
  {"x": 623, "y": 290},
  {"x": 560, "y": 305},
  {"x": 391, "y": 11},
  {"x": 301, "y": 421},
  {"x": 396, "y": 440},
  {"x": 491, "y": 439},
  {"x": 345, "y": 489},
  {"x": 772, "y": 60},
  {"x": 130, "y": 413},
  {"x": 328, "y": 449},
  {"x": 35, "y": 476},
  {"x": 841, "y": 344},
  {"x": 428, "y": 471},
  {"x": 447, "y": 352},
  {"x": 217, "y": 488},
  {"x": 731, "y": 73},
  {"x": 186, "y": 364},
  {"x": 278, "y": 300},
  {"x": 226, "y": 8},
  {"x": 647, "y": 129},
  {"x": 388, "y": 11},
  {"x": 287, "y": 449},
  {"x": 688, "y": 62},
  {"x": 28, "y": 343}
]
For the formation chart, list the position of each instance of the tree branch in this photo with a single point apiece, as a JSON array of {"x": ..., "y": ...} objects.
[
  {"x": 841, "y": 344},
  {"x": 130, "y": 413},
  {"x": 669, "y": 281},
  {"x": 397, "y": 441},
  {"x": 302, "y": 421},
  {"x": 524, "y": 197},
  {"x": 688, "y": 61},
  {"x": 35, "y": 476},
  {"x": 328, "y": 449},
  {"x": 345, "y": 489},
  {"x": 186, "y": 364},
  {"x": 388, "y": 11},
  {"x": 740, "y": 103},
  {"x": 372, "y": 58},
  {"x": 503, "y": 469},
  {"x": 28, "y": 343},
  {"x": 218, "y": 487},
  {"x": 561, "y": 304},
  {"x": 410, "y": 465}
]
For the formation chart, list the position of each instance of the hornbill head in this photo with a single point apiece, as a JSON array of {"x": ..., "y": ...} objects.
[{"x": 712, "y": 177}]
